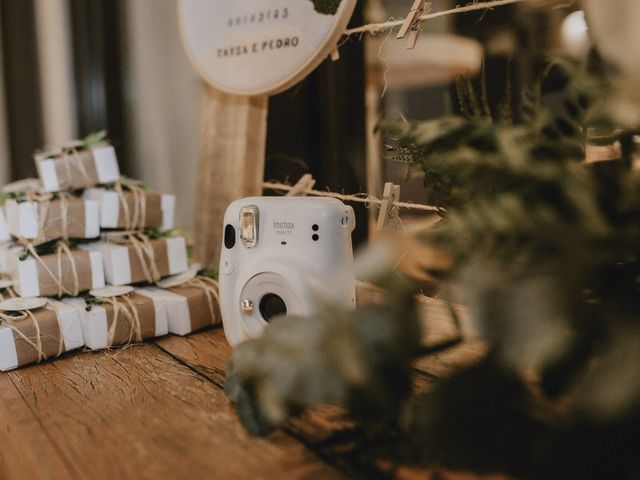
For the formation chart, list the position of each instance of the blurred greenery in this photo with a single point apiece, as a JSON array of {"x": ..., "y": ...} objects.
[{"x": 544, "y": 251}]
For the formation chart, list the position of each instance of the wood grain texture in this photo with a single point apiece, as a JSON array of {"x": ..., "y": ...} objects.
[
  {"x": 139, "y": 414},
  {"x": 26, "y": 451},
  {"x": 233, "y": 135}
]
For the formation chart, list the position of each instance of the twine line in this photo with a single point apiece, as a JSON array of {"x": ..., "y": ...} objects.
[
  {"x": 364, "y": 198},
  {"x": 381, "y": 27},
  {"x": 37, "y": 345},
  {"x": 144, "y": 251},
  {"x": 211, "y": 290},
  {"x": 129, "y": 313},
  {"x": 137, "y": 219},
  {"x": 62, "y": 248}
]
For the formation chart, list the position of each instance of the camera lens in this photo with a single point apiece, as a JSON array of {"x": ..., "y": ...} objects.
[{"x": 271, "y": 306}]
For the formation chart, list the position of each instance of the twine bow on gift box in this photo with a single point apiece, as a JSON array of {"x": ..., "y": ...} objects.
[
  {"x": 74, "y": 162},
  {"x": 7, "y": 320},
  {"x": 136, "y": 219},
  {"x": 61, "y": 250},
  {"x": 143, "y": 248},
  {"x": 123, "y": 308},
  {"x": 210, "y": 288},
  {"x": 43, "y": 200}
]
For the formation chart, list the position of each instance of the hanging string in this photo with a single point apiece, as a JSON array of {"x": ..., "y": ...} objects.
[
  {"x": 364, "y": 198},
  {"x": 382, "y": 27}
]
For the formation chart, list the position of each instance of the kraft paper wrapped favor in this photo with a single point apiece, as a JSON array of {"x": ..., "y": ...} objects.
[
  {"x": 44, "y": 219},
  {"x": 64, "y": 272},
  {"x": 76, "y": 167},
  {"x": 31, "y": 336},
  {"x": 190, "y": 306},
  {"x": 133, "y": 210},
  {"x": 121, "y": 320},
  {"x": 137, "y": 259}
]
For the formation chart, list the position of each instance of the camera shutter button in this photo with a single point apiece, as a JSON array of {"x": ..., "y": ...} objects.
[{"x": 226, "y": 265}]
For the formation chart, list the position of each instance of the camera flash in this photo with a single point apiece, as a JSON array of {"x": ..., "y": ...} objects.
[{"x": 249, "y": 226}]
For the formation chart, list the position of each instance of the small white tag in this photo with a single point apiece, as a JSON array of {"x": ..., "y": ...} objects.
[
  {"x": 108, "y": 292},
  {"x": 178, "y": 280},
  {"x": 22, "y": 304}
]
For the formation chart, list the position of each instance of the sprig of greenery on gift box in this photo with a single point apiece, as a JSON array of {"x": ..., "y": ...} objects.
[
  {"x": 94, "y": 138},
  {"x": 19, "y": 196},
  {"x": 47, "y": 248},
  {"x": 544, "y": 252},
  {"x": 91, "y": 301}
]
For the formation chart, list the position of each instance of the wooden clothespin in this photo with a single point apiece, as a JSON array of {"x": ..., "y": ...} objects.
[
  {"x": 300, "y": 189},
  {"x": 413, "y": 24},
  {"x": 388, "y": 218}
]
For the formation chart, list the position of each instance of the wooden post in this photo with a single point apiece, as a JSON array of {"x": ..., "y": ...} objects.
[{"x": 233, "y": 135}]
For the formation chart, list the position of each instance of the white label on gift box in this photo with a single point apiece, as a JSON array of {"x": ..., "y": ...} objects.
[
  {"x": 168, "y": 205},
  {"x": 24, "y": 274},
  {"x": 5, "y": 236},
  {"x": 160, "y": 308},
  {"x": 8, "y": 353},
  {"x": 23, "y": 219},
  {"x": 177, "y": 253},
  {"x": 177, "y": 308},
  {"x": 106, "y": 163},
  {"x": 70, "y": 319},
  {"x": 48, "y": 174},
  {"x": 97, "y": 269},
  {"x": 259, "y": 47}
]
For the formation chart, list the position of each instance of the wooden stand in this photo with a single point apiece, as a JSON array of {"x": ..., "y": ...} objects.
[{"x": 233, "y": 135}]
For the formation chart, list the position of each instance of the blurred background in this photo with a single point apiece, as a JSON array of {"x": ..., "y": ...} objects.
[{"x": 70, "y": 67}]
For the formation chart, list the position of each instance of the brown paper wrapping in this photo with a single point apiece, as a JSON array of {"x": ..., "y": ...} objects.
[
  {"x": 54, "y": 224},
  {"x": 199, "y": 311},
  {"x": 125, "y": 331},
  {"x": 48, "y": 285},
  {"x": 161, "y": 258},
  {"x": 50, "y": 336},
  {"x": 153, "y": 210},
  {"x": 76, "y": 170}
]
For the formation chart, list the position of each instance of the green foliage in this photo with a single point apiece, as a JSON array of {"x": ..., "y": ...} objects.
[
  {"x": 545, "y": 252},
  {"x": 209, "y": 272},
  {"x": 47, "y": 248},
  {"x": 18, "y": 196},
  {"x": 94, "y": 138},
  {"x": 358, "y": 361},
  {"x": 91, "y": 301},
  {"x": 326, "y": 7}
]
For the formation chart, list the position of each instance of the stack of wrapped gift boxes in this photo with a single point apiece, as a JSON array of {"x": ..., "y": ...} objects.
[{"x": 103, "y": 252}]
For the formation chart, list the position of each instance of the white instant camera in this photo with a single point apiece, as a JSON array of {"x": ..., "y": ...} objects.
[{"x": 284, "y": 256}]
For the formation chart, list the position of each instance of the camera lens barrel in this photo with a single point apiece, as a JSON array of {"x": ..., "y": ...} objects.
[{"x": 272, "y": 305}]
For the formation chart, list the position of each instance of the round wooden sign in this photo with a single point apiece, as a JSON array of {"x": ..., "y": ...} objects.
[{"x": 260, "y": 47}]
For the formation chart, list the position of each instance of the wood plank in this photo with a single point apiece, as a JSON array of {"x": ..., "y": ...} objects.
[
  {"x": 322, "y": 428},
  {"x": 233, "y": 135},
  {"x": 139, "y": 414},
  {"x": 25, "y": 449}
]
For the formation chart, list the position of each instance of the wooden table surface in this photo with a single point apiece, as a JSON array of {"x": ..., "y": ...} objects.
[{"x": 158, "y": 411}]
